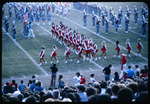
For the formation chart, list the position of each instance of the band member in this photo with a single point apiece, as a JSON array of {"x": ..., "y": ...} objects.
[
  {"x": 139, "y": 47},
  {"x": 103, "y": 49},
  {"x": 106, "y": 25},
  {"x": 42, "y": 55},
  {"x": 13, "y": 28},
  {"x": 123, "y": 64},
  {"x": 144, "y": 22},
  {"x": 84, "y": 18},
  {"x": 6, "y": 24},
  {"x": 93, "y": 19},
  {"x": 54, "y": 54},
  {"x": 118, "y": 49},
  {"x": 128, "y": 47},
  {"x": 126, "y": 23},
  {"x": 67, "y": 53},
  {"x": 116, "y": 23}
]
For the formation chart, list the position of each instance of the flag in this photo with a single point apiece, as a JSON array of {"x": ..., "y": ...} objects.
[{"x": 25, "y": 15}]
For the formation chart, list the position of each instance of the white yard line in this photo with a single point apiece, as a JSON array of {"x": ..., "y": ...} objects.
[
  {"x": 103, "y": 37},
  {"x": 29, "y": 56},
  {"x": 91, "y": 69}
]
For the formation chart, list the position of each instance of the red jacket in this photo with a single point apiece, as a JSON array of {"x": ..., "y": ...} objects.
[{"x": 83, "y": 80}]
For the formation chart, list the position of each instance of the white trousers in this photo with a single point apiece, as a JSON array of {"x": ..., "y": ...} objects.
[
  {"x": 31, "y": 32},
  {"x": 123, "y": 70}
]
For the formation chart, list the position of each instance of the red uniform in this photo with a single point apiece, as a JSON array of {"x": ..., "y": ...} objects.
[
  {"x": 83, "y": 80},
  {"x": 77, "y": 43},
  {"x": 104, "y": 48},
  {"x": 67, "y": 51},
  {"x": 139, "y": 45},
  {"x": 118, "y": 47},
  {"x": 74, "y": 41},
  {"x": 86, "y": 41},
  {"x": 42, "y": 53},
  {"x": 123, "y": 61},
  {"x": 95, "y": 48},
  {"x": 63, "y": 34},
  {"x": 57, "y": 30},
  {"x": 70, "y": 39},
  {"x": 79, "y": 50},
  {"x": 88, "y": 49},
  {"x": 90, "y": 43},
  {"x": 128, "y": 46},
  {"x": 54, "y": 53},
  {"x": 53, "y": 28}
]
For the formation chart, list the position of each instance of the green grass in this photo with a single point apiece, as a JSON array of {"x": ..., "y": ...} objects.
[{"x": 16, "y": 63}]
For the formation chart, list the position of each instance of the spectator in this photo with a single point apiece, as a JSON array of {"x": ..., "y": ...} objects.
[
  {"x": 22, "y": 87},
  {"x": 92, "y": 79},
  {"x": 116, "y": 77},
  {"x": 37, "y": 97},
  {"x": 130, "y": 72},
  {"x": 142, "y": 97},
  {"x": 115, "y": 90},
  {"x": 20, "y": 97},
  {"x": 78, "y": 98},
  {"x": 49, "y": 100},
  {"x": 13, "y": 99},
  {"x": 33, "y": 78},
  {"x": 83, "y": 80},
  {"x": 56, "y": 94},
  {"x": 124, "y": 76},
  {"x": 137, "y": 69},
  {"x": 97, "y": 86},
  {"x": 137, "y": 75},
  {"x": 31, "y": 99},
  {"x": 61, "y": 82},
  {"x": 93, "y": 98},
  {"x": 77, "y": 79},
  {"x": 134, "y": 87},
  {"x": 7, "y": 88},
  {"x": 146, "y": 69},
  {"x": 13, "y": 89},
  {"x": 103, "y": 98},
  {"x": 32, "y": 86},
  {"x": 14, "y": 83},
  {"x": 71, "y": 96},
  {"x": 39, "y": 88},
  {"x": 67, "y": 100},
  {"x": 107, "y": 72},
  {"x": 125, "y": 95},
  {"x": 54, "y": 71},
  {"x": 103, "y": 87},
  {"x": 46, "y": 96},
  {"x": 82, "y": 93},
  {"x": 108, "y": 91},
  {"x": 91, "y": 91},
  {"x": 29, "y": 83},
  {"x": 143, "y": 73}
]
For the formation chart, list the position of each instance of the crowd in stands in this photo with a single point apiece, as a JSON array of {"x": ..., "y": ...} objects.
[{"x": 133, "y": 89}]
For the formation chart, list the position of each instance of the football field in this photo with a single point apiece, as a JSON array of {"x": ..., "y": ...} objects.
[{"x": 20, "y": 59}]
